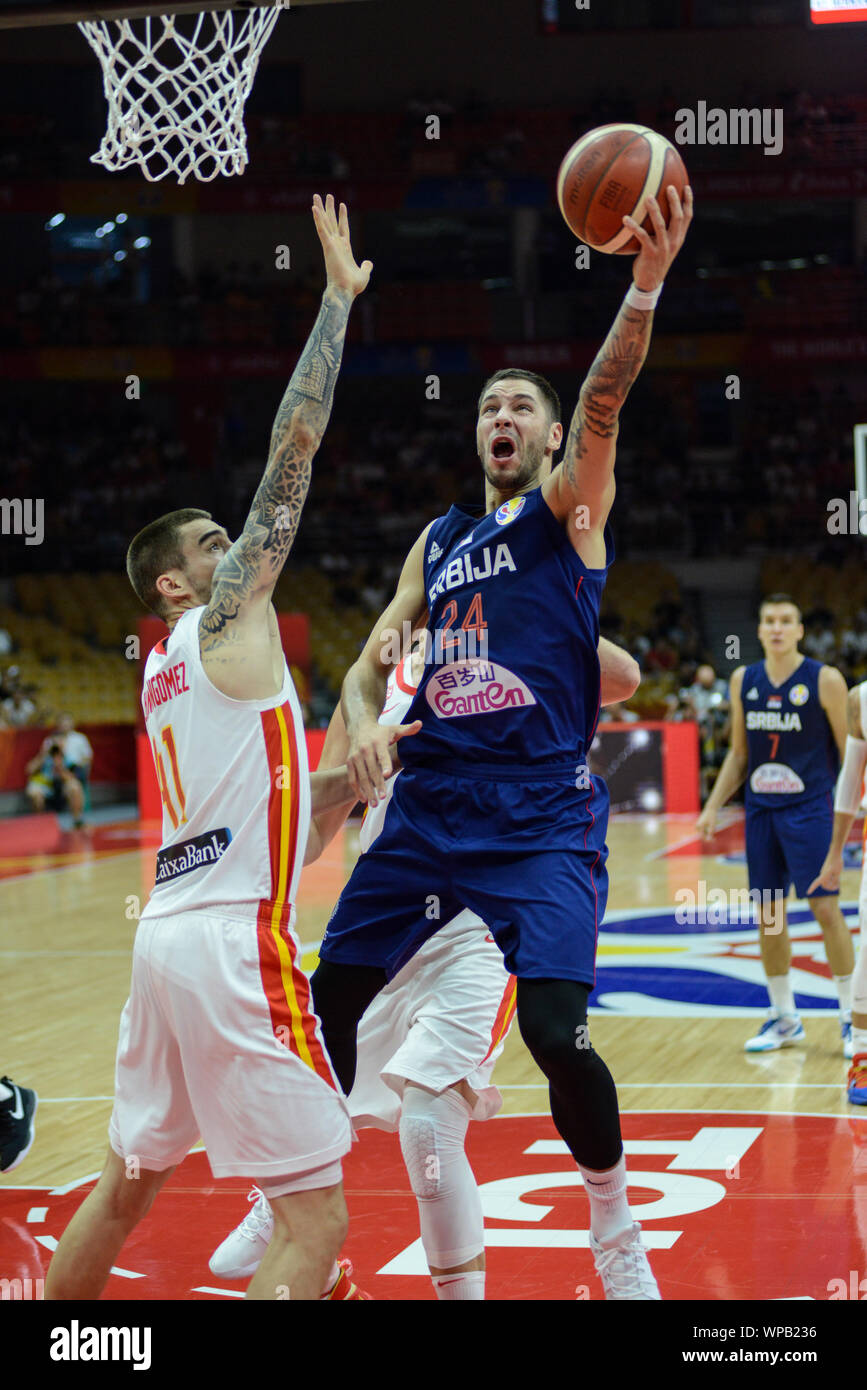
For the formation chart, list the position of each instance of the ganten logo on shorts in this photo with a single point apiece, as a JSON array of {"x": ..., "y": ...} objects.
[
  {"x": 475, "y": 687},
  {"x": 799, "y": 694},
  {"x": 775, "y": 779},
  {"x": 509, "y": 510},
  {"x": 191, "y": 854}
]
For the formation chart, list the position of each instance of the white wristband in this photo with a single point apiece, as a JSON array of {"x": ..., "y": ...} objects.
[{"x": 643, "y": 299}]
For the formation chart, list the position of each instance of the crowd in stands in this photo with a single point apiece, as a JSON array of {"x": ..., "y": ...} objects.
[
  {"x": 391, "y": 459},
  {"x": 474, "y": 138},
  {"x": 240, "y": 306}
]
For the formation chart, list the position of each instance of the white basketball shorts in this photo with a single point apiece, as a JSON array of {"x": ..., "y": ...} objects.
[
  {"x": 218, "y": 1039},
  {"x": 442, "y": 1019}
]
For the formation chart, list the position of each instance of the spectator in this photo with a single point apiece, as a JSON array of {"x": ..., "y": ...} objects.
[
  {"x": 52, "y": 786},
  {"x": 618, "y": 714},
  {"x": 707, "y": 697},
  {"x": 18, "y": 709},
  {"x": 77, "y": 749},
  {"x": 708, "y": 692}
]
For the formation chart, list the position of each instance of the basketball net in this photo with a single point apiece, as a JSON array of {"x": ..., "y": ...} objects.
[{"x": 175, "y": 100}]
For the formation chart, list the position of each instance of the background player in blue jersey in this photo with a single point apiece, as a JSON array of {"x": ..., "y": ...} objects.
[
  {"x": 788, "y": 738},
  {"x": 496, "y": 810}
]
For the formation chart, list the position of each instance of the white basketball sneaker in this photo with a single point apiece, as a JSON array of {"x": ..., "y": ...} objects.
[
  {"x": 778, "y": 1030},
  {"x": 240, "y": 1254},
  {"x": 846, "y": 1034},
  {"x": 622, "y": 1265}
]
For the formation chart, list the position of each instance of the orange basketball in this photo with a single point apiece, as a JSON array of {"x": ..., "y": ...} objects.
[{"x": 610, "y": 173}]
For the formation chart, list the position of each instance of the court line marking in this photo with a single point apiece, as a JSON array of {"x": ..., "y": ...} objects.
[
  {"x": 693, "y": 1085},
  {"x": 767, "y": 1114},
  {"x": 66, "y": 954},
  {"x": 690, "y": 839},
  {"x": 621, "y": 1086},
  {"x": 69, "y": 1100},
  {"x": 65, "y": 868}
]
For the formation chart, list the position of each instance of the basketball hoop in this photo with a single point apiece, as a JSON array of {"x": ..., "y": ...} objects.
[{"x": 176, "y": 99}]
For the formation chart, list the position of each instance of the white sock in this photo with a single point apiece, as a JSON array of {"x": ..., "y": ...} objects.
[
  {"x": 332, "y": 1279},
  {"x": 470, "y": 1285},
  {"x": 782, "y": 994},
  {"x": 609, "y": 1209},
  {"x": 844, "y": 992},
  {"x": 5, "y": 1092},
  {"x": 859, "y": 1039}
]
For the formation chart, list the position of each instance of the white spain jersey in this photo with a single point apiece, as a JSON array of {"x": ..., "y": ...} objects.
[
  {"x": 445, "y": 1016},
  {"x": 235, "y": 788}
]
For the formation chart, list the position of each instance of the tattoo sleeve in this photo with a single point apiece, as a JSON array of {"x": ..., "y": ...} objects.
[
  {"x": 255, "y": 560},
  {"x": 607, "y": 385}
]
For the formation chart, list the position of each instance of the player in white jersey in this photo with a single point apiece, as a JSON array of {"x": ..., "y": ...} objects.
[
  {"x": 427, "y": 1044},
  {"x": 217, "y": 1038},
  {"x": 848, "y": 800}
]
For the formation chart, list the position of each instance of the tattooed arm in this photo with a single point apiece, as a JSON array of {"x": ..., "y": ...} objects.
[
  {"x": 580, "y": 490},
  {"x": 246, "y": 575}
]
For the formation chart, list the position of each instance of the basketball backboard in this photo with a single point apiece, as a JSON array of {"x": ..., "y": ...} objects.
[{"x": 23, "y": 14}]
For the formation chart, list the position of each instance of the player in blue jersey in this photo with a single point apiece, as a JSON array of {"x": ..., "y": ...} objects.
[
  {"x": 496, "y": 810},
  {"x": 788, "y": 737}
]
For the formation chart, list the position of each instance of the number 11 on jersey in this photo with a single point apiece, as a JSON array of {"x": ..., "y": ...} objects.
[{"x": 169, "y": 741}]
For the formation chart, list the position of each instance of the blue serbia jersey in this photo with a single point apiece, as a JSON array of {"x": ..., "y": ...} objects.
[
  {"x": 512, "y": 671},
  {"x": 792, "y": 751}
]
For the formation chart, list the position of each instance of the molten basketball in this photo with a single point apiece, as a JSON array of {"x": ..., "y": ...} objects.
[{"x": 610, "y": 173}]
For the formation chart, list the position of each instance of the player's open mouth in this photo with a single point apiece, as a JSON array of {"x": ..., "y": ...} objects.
[{"x": 502, "y": 448}]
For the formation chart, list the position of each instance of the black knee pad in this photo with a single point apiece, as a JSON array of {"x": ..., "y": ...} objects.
[
  {"x": 552, "y": 1017},
  {"x": 341, "y": 993}
]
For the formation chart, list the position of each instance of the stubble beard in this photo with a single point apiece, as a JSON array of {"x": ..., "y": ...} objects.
[{"x": 527, "y": 471}]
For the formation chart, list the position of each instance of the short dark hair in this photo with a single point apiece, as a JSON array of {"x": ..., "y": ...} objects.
[
  {"x": 778, "y": 598},
  {"x": 546, "y": 390},
  {"x": 155, "y": 549}
]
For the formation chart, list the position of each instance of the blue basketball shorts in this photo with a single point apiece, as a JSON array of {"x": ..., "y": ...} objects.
[
  {"x": 527, "y": 856},
  {"x": 788, "y": 844}
]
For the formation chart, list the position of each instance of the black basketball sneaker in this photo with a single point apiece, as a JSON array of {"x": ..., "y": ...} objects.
[{"x": 16, "y": 1125}]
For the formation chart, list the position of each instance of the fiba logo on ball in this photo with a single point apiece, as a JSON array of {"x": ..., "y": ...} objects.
[{"x": 611, "y": 172}]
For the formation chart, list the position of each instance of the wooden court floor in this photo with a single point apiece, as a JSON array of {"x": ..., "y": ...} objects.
[{"x": 675, "y": 1002}]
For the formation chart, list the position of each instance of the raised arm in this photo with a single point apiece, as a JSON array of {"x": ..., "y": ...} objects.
[
  {"x": 245, "y": 577},
  {"x": 580, "y": 490}
]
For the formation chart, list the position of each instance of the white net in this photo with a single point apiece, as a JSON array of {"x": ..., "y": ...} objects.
[{"x": 176, "y": 90}]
